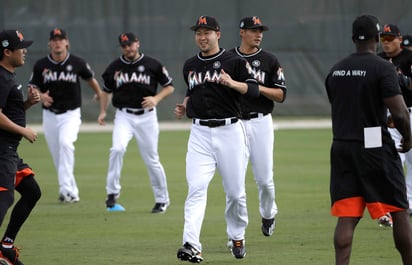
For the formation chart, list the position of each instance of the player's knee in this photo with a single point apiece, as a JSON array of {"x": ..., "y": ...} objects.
[
  {"x": 266, "y": 184},
  {"x": 29, "y": 189},
  {"x": 64, "y": 144},
  {"x": 36, "y": 194},
  {"x": 234, "y": 197}
]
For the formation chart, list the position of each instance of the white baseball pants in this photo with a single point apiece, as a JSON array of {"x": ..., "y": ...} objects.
[
  {"x": 61, "y": 131},
  {"x": 260, "y": 138},
  {"x": 145, "y": 129},
  {"x": 223, "y": 148}
]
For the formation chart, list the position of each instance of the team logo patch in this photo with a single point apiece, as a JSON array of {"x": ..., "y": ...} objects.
[
  {"x": 69, "y": 68},
  {"x": 19, "y": 35},
  {"x": 140, "y": 68},
  {"x": 256, "y": 63},
  {"x": 217, "y": 64},
  {"x": 5, "y": 43}
]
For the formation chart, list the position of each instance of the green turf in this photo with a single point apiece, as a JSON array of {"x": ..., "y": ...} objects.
[{"x": 85, "y": 233}]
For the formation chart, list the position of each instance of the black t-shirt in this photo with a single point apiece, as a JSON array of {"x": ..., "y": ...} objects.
[
  {"x": 267, "y": 70},
  {"x": 12, "y": 104},
  {"x": 356, "y": 87},
  {"x": 62, "y": 80},
  {"x": 403, "y": 62},
  {"x": 130, "y": 82},
  {"x": 207, "y": 98}
]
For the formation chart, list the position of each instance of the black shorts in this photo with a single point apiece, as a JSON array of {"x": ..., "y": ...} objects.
[
  {"x": 8, "y": 166},
  {"x": 371, "y": 178},
  {"x": 13, "y": 168}
]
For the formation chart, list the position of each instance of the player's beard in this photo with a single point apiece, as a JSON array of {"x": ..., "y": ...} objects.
[{"x": 131, "y": 55}]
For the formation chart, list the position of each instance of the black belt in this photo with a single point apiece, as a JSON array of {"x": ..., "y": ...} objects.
[
  {"x": 57, "y": 111},
  {"x": 136, "y": 112},
  {"x": 215, "y": 123},
  {"x": 252, "y": 115}
]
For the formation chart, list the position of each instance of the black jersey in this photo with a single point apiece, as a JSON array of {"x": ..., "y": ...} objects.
[
  {"x": 403, "y": 62},
  {"x": 207, "y": 98},
  {"x": 11, "y": 103},
  {"x": 62, "y": 80},
  {"x": 356, "y": 87},
  {"x": 130, "y": 82},
  {"x": 267, "y": 71}
]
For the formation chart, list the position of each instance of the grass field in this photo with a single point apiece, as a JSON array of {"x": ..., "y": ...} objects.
[{"x": 86, "y": 233}]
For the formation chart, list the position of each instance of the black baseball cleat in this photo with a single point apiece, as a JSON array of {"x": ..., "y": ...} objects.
[
  {"x": 111, "y": 200},
  {"x": 9, "y": 256},
  {"x": 111, "y": 204},
  {"x": 160, "y": 207},
  {"x": 268, "y": 226},
  {"x": 189, "y": 253},
  {"x": 238, "y": 248},
  {"x": 68, "y": 198}
]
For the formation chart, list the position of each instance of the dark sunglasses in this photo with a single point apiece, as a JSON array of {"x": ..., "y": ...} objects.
[{"x": 388, "y": 38}]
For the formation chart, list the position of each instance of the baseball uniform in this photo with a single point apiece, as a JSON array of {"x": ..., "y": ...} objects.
[
  {"x": 217, "y": 140},
  {"x": 130, "y": 82},
  {"x": 257, "y": 117},
  {"x": 62, "y": 120}
]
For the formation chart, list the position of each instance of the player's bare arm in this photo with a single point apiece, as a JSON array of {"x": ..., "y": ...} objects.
[
  {"x": 7, "y": 125},
  {"x": 105, "y": 98},
  {"x": 180, "y": 109},
  {"x": 151, "y": 102},
  {"x": 33, "y": 97},
  {"x": 275, "y": 94},
  {"x": 46, "y": 99},
  {"x": 226, "y": 80},
  {"x": 93, "y": 84},
  {"x": 401, "y": 120}
]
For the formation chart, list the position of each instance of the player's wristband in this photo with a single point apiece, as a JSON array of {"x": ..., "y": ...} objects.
[{"x": 252, "y": 90}]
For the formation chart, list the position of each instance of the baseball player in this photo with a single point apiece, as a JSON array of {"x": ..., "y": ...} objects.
[
  {"x": 366, "y": 171},
  {"x": 257, "y": 117},
  {"x": 14, "y": 173},
  {"x": 216, "y": 80},
  {"x": 57, "y": 76},
  {"x": 391, "y": 41},
  {"x": 133, "y": 79}
]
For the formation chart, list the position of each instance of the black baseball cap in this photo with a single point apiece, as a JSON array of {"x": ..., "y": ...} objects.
[
  {"x": 206, "y": 22},
  {"x": 13, "y": 39},
  {"x": 407, "y": 41},
  {"x": 365, "y": 27},
  {"x": 252, "y": 23},
  {"x": 58, "y": 33},
  {"x": 127, "y": 38},
  {"x": 390, "y": 29}
]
